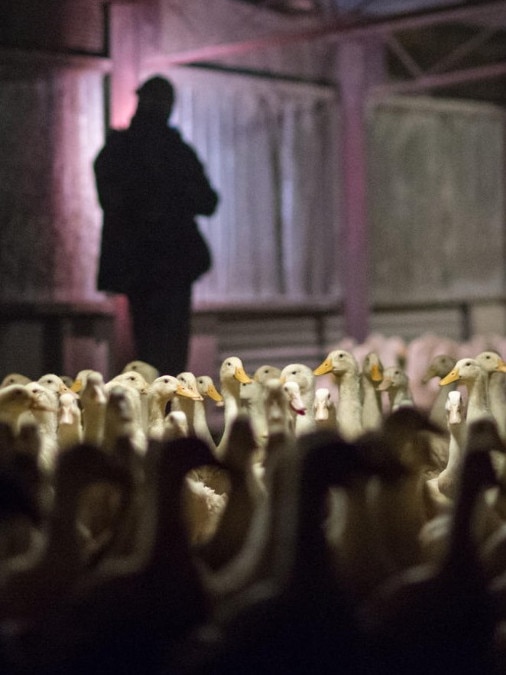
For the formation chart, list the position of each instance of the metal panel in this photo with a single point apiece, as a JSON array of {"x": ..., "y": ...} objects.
[{"x": 437, "y": 204}]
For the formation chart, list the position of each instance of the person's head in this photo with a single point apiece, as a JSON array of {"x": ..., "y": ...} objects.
[{"x": 156, "y": 95}]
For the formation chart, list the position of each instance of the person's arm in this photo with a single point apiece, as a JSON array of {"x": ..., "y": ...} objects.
[
  {"x": 112, "y": 176},
  {"x": 195, "y": 186}
]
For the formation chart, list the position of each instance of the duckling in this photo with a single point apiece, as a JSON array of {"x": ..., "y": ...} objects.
[{"x": 344, "y": 367}]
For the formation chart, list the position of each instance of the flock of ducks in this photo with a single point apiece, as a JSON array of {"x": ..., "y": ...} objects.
[{"x": 327, "y": 523}]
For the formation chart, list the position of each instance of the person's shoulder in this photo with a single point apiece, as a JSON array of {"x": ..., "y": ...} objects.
[
  {"x": 175, "y": 135},
  {"x": 179, "y": 145}
]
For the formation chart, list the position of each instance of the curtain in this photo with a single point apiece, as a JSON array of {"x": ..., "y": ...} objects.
[{"x": 270, "y": 148}]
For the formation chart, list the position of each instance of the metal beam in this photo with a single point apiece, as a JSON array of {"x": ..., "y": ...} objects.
[
  {"x": 439, "y": 80},
  {"x": 333, "y": 30}
]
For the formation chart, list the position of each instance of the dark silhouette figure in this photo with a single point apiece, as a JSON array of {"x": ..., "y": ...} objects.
[{"x": 151, "y": 185}]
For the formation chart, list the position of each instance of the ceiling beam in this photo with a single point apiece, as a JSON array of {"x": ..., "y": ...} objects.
[
  {"x": 438, "y": 80},
  {"x": 334, "y": 30}
]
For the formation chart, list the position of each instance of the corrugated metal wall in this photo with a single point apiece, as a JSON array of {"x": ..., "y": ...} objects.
[{"x": 436, "y": 200}]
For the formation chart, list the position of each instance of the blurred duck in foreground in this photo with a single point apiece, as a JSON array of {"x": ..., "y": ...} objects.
[{"x": 137, "y": 538}]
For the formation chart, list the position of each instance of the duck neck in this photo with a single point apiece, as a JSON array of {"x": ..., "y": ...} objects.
[
  {"x": 63, "y": 541},
  {"x": 93, "y": 425},
  {"x": 310, "y": 564},
  {"x": 169, "y": 540},
  {"x": 478, "y": 404},
  {"x": 462, "y": 549}
]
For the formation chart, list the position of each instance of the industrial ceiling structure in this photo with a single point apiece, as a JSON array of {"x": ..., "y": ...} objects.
[{"x": 440, "y": 47}]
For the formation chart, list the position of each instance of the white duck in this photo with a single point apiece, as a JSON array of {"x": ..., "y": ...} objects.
[
  {"x": 14, "y": 378},
  {"x": 160, "y": 395},
  {"x": 192, "y": 404},
  {"x": 324, "y": 409},
  {"x": 242, "y": 497},
  {"x": 251, "y": 402},
  {"x": 15, "y": 401},
  {"x": 344, "y": 367},
  {"x": 266, "y": 372},
  {"x": 46, "y": 417},
  {"x": 396, "y": 383},
  {"x": 121, "y": 421},
  {"x": 495, "y": 366},
  {"x": 304, "y": 377},
  {"x": 475, "y": 378},
  {"x": 297, "y": 408},
  {"x": 54, "y": 383},
  {"x": 149, "y": 372},
  {"x": 372, "y": 404},
  {"x": 70, "y": 430},
  {"x": 403, "y": 506},
  {"x": 93, "y": 399},
  {"x": 175, "y": 425},
  {"x": 232, "y": 374},
  {"x": 34, "y": 584},
  {"x": 119, "y": 614},
  {"x": 137, "y": 388},
  {"x": 458, "y": 636},
  {"x": 440, "y": 366},
  {"x": 208, "y": 390}
]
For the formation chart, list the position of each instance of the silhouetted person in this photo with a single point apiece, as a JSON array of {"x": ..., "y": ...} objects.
[{"x": 151, "y": 185}]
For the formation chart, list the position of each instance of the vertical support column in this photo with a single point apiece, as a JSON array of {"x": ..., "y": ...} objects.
[
  {"x": 125, "y": 29},
  {"x": 359, "y": 66},
  {"x": 124, "y": 20}
]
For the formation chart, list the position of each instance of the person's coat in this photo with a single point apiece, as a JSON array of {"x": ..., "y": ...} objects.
[{"x": 151, "y": 185}]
